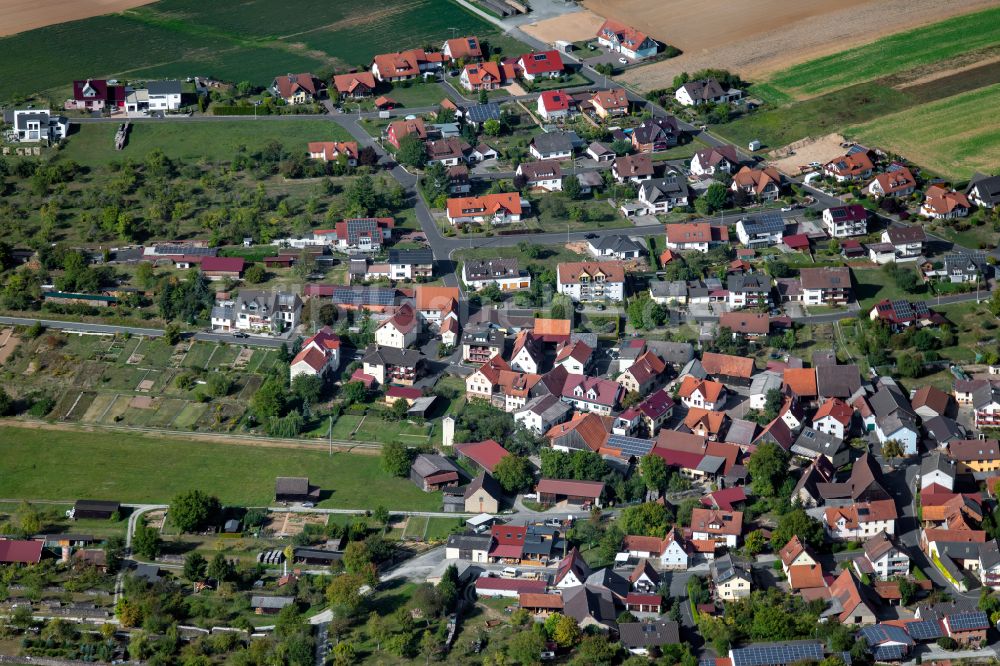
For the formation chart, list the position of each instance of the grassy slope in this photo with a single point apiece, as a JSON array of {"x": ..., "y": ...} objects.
[
  {"x": 955, "y": 136},
  {"x": 229, "y": 39},
  {"x": 892, "y": 54},
  {"x": 93, "y": 144},
  {"x": 44, "y": 464}
]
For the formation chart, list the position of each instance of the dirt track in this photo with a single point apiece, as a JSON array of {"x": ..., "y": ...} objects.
[
  {"x": 21, "y": 15},
  {"x": 766, "y": 35},
  {"x": 573, "y": 27}
]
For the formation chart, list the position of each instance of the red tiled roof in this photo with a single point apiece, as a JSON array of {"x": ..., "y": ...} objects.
[
  {"x": 488, "y": 584},
  {"x": 222, "y": 264},
  {"x": 404, "y": 392},
  {"x": 716, "y": 521},
  {"x": 555, "y": 100},
  {"x": 486, "y": 454},
  {"x": 836, "y": 409},
  {"x": 725, "y": 364},
  {"x": 541, "y": 62},
  {"x": 20, "y": 552},
  {"x": 488, "y": 204},
  {"x": 349, "y": 83},
  {"x": 566, "y": 487}
]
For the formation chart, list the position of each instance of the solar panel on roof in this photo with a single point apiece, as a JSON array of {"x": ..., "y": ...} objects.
[
  {"x": 630, "y": 446},
  {"x": 777, "y": 654},
  {"x": 969, "y": 621},
  {"x": 483, "y": 112},
  {"x": 365, "y": 296},
  {"x": 888, "y": 652},
  {"x": 925, "y": 630},
  {"x": 856, "y": 149}
]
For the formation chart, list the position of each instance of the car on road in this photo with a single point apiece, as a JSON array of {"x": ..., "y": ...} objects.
[
  {"x": 787, "y": 209},
  {"x": 590, "y": 236},
  {"x": 308, "y": 505},
  {"x": 241, "y": 335},
  {"x": 623, "y": 61}
]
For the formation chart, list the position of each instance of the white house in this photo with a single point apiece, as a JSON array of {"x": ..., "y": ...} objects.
[
  {"x": 164, "y": 95},
  {"x": 901, "y": 427},
  {"x": 708, "y": 161},
  {"x": 834, "y": 418},
  {"x": 400, "y": 330},
  {"x": 320, "y": 354},
  {"x": 860, "y": 521},
  {"x": 527, "y": 354},
  {"x": 936, "y": 468},
  {"x": 36, "y": 125},
  {"x": 846, "y": 221},
  {"x": 259, "y": 312},
  {"x": 542, "y": 412},
  {"x": 883, "y": 558},
  {"x": 624, "y": 39},
  {"x": 705, "y": 91},
  {"x": 661, "y": 195},
  {"x": 592, "y": 280}
]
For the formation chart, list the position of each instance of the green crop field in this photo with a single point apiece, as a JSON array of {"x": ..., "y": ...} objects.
[
  {"x": 232, "y": 40},
  {"x": 953, "y": 137},
  {"x": 46, "y": 464},
  {"x": 93, "y": 144},
  {"x": 896, "y": 53}
]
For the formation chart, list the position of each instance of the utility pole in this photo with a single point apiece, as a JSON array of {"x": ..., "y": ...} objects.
[{"x": 330, "y": 435}]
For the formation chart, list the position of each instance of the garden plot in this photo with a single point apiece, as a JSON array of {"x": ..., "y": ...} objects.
[
  {"x": 166, "y": 411},
  {"x": 189, "y": 415},
  {"x": 8, "y": 343},
  {"x": 98, "y": 407},
  {"x": 288, "y": 524}
]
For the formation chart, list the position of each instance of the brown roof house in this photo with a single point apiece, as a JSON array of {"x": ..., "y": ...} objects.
[
  {"x": 728, "y": 369},
  {"x": 433, "y": 472},
  {"x": 761, "y": 184},
  {"x": 483, "y": 495},
  {"x": 298, "y": 88},
  {"x": 295, "y": 489}
]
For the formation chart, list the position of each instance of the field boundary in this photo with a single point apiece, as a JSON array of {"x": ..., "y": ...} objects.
[{"x": 371, "y": 448}]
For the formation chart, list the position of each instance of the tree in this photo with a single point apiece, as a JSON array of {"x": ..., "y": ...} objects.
[
  {"x": 525, "y": 648},
  {"x": 909, "y": 365},
  {"x": 219, "y": 384},
  {"x": 768, "y": 468},
  {"x": 146, "y": 541},
  {"x": 571, "y": 186},
  {"x": 396, "y": 459},
  {"x": 647, "y": 519},
  {"x": 377, "y": 629},
  {"x": 513, "y": 473},
  {"x": 343, "y": 590},
  {"x": 269, "y": 400},
  {"x": 195, "y": 567},
  {"x": 356, "y": 557},
  {"x": 566, "y": 632},
  {"x": 908, "y": 591},
  {"x": 429, "y": 645},
  {"x": 193, "y": 509},
  {"x": 255, "y": 274},
  {"x": 715, "y": 197},
  {"x": 447, "y": 587},
  {"x": 797, "y": 522},
  {"x": 411, "y": 152},
  {"x": 308, "y": 388},
  {"x": 621, "y": 146},
  {"x": 755, "y": 543},
  {"x": 343, "y": 654},
  {"x": 892, "y": 449},
  {"x": 381, "y": 514},
  {"x": 654, "y": 472},
  {"x": 220, "y": 569},
  {"x": 172, "y": 334},
  {"x": 144, "y": 275},
  {"x": 492, "y": 127},
  {"x": 353, "y": 392},
  {"x": 597, "y": 651}
]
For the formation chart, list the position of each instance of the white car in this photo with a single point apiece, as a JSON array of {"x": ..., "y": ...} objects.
[
  {"x": 787, "y": 209},
  {"x": 623, "y": 61}
]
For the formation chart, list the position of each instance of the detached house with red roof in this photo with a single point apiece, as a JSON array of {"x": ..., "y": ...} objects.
[
  {"x": 486, "y": 75},
  {"x": 897, "y": 181},
  {"x": 297, "y": 88},
  {"x": 555, "y": 105},
  {"x": 625, "y": 39},
  {"x": 853, "y": 166},
  {"x": 320, "y": 354},
  {"x": 695, "y": 236},
  {"x": 355, "y": 85},
  {"x": 702, "y": 393},
  {"x": 722, "y": 527},
  {"x": 400, "y": 128},
  {"x": 762, "y": 184},
  {"x": 592, "y": 394},
  {"x": 859, "y": 521},
  {"x": 331, "y": 151},
  {"x": 463, "y": 48},
  {"x": 834, "y": 418},
  {"x": 222, "y": 268},
  {"x": 406, "y": 65},
  {"x": 708, "y": 161},
  {"x": 942, "y": 204},
  {"x": 541, "y": 64},
  {"x": 609, "y": 103},
  {"x": 846, "y": 221},
  {"x": 503, "y": 208},
  {"x": 644, "y": 375},
  {"x": 400, "y": 330}
]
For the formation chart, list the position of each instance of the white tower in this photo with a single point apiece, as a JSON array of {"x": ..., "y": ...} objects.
[{"x": 447, "y": 432}]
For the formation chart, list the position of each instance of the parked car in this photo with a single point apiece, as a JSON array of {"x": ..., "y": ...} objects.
[
  {"x": 623, "y": 61},
  {"x": 240, "y": 335}
]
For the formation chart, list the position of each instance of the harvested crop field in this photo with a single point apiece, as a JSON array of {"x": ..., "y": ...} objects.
[
  {"x": 768, "y": 35},
  {"x": 954, "y": 137},
  {"x": 574, "y": 27},
  {"x": 20, "y": 15}
]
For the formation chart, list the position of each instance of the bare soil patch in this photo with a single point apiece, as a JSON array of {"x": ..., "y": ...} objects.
[
  {"x": 21, "y": 15},
  {"x": 8, "y": 343},
  {"x": 822, "y": 150},
  {"x": 766, "y": 35},
  {"x": 966, "y": 63},
  {"x": 573, "y": 27},
  {"x": 289, "y": 524}
]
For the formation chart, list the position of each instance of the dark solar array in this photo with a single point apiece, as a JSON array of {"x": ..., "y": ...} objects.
[
  {"x": 770, "y": 655},
  {"x": 630, "y": 446},
  {"x": 925, "y": 630}
]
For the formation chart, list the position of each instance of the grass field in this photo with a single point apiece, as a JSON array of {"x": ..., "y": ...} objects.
[
  {"x": 232, "y": 40},
  {"x": 93, "y": 144},
  {"x": 45, "y": 464},
  {"x": 906, "y": 50},
  {"x": 954, "y": 137}
]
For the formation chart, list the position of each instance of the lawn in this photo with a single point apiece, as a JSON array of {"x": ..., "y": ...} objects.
[
  {"x": 418, "y": 94},
  {"x": 954, "y": 137},
  {"x": 816, "y": 117},
  {"x": 872, "y": 285},
  {"x": 93, "y": 144},
  {"x": 548, "y": 255},
  {"x": 232, "y": 40},
  {"x": 46, "y": 464},
  {"x": 902, "y": 51}
]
